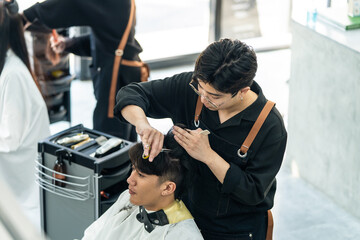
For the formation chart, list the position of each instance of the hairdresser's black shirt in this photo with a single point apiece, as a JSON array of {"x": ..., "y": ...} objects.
[{"x": 249, "y": 185}]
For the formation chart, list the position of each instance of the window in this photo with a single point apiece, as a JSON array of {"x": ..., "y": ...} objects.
[{"x": 172, "y": 28}]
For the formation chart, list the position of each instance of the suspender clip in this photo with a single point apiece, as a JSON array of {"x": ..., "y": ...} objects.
[{"x": 119, "y": 52}]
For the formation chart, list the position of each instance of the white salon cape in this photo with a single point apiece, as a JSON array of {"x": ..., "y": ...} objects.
[
  {"x": 115, "y": 225},
  {"x": 23, "y": 122}
]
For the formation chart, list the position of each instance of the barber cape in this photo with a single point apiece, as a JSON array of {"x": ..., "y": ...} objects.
[
  {"x": 23, "y": 122},
  {"x": 123, "y": 221}
]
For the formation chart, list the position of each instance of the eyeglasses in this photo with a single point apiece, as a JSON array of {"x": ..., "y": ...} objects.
[{"x": 207, "y": 98}]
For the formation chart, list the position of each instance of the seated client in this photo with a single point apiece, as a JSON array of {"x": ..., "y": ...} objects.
[{"x": 151, "y": 208}]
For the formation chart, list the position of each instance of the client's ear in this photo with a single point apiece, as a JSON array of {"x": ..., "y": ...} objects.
[{"x": 168, "y": 188}]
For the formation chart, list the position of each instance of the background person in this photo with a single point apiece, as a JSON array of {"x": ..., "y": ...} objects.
[
  {"x": 108, "y": 20},
  {"x": 23, "y": 113},
  {"x": 231, "y": 194},
  {"x": 157, "y": 188}
]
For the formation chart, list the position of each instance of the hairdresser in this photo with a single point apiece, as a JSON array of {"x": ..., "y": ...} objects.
[
  {"x": 111, "y": 22},
  {"x": 235, "y": 181}
]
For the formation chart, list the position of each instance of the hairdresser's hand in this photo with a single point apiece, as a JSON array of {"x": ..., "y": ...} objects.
[
  {"x": 196, "y": 145},
  {"x": 151, "y": 138},
  {"x": 58, "y": 45}
]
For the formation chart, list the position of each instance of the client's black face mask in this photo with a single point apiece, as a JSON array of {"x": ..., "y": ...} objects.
[{"x": 12, "y": 6}]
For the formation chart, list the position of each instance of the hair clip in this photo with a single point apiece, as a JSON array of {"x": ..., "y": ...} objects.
[
  {"x": 164, "y": 150},
  {"x": 147, "y": 146}
]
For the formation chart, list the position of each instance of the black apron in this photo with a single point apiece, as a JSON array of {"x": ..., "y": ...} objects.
[{"x": 217, "y": 214}]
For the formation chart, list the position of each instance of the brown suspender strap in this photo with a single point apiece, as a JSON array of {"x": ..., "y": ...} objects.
[
  {"x": 256, "y": 127},
  {"x": 270, "y": 226},
  {"x": 199, "y": 106},
  {"x": 144, "y": 68},
  {"x": 118, "y": 55},
  {"x": 132, "y": 63}
]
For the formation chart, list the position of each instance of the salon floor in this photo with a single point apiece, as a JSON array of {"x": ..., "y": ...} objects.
[{"x": 300, "y": 211}]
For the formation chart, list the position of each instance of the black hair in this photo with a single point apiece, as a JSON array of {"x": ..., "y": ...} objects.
[
  {"x": 12, "y": 34},
  {"x": 175, "y": 165},
  {"x": 227, "y": 65}
]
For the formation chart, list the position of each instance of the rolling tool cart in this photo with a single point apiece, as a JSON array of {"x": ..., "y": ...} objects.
[{"x": 77, "y": 181}]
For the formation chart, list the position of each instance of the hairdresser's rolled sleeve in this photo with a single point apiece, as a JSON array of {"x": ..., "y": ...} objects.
[
  {"x": 31, "y": 13},
  {"x": 232, "y": 178},
  {"x": 128, "y": 96},
  {"x": 79, "y": 46}
]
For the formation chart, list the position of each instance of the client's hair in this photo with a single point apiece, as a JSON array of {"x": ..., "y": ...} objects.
[{"x": 174, "y": 165}]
